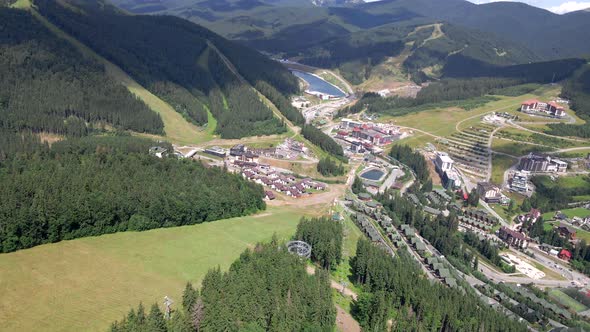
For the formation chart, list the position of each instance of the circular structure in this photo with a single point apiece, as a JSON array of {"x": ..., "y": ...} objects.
[{"x": 299, "y": 248}]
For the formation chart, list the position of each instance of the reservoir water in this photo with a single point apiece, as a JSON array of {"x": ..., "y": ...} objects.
[
  {"x": 373, "y": 174},
  {"x": 318, "y": 84}
]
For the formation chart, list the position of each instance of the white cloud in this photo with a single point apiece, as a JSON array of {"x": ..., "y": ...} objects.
[{"x": 569, "y": 6}]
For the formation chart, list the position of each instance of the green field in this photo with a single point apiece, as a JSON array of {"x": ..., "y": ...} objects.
[
  {"x": 85, "y": 284},
  {"x": 567, "y": 301},
  {"x": 570, "y": 213},
  {"x": 516, "y": 148},
  {"x": 500, "y": 164}
]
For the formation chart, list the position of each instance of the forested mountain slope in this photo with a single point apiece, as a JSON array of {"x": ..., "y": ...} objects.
[
  {"x": 548, "y": 34},
  {"x": 353, "y": 39},
  {"x": 179, "y": 62},
  {"x": 46, "y": 85}
]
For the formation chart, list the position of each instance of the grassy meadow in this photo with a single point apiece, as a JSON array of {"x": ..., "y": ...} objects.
[{"x": 85, "y": 284}]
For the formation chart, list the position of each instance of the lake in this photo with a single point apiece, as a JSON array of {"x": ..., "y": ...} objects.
[{"x": 319, "y": 85}]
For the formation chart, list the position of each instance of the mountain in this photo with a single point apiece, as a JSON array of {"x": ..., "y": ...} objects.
[
  {"x": 193, "y": 69},
  {"x": 549, "y": 35},
  {"x": 356, "y": 37}
]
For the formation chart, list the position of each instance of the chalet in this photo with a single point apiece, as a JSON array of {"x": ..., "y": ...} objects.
[
  {"x": 318, "y": 186},
  {"x": 565, "y": 255},
  {"x": 566, "y": 232},
  {"x": 269, "y": 195},
  {"x": 513, "y": 238},
  {"x": 442, "y": 195},
  {"x": 414, "y": 199},
  {"x": 432, "y": 211},
  {"x": 420, "y": 247},
  {"x": 451, "y": 282},
  {"x": 489, "y": 192}
]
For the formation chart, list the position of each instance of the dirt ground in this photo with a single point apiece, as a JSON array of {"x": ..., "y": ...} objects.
[
  {"x": 345, "y": 322},
  {"x": 323, "y": 199}
]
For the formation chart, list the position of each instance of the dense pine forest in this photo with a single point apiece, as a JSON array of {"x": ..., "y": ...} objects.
[
  {"x": 178, "y": 61},
  {"x": 266, "y": 289},
  {"x": 325, "y": 142},
  {"x": 328, "y": 167},
  {"x": 94, "y": 186},
  {"x": 415, "y": 160},
  {"x": 395, "y": 290},
  {"x": 325, "y": 237},
  {"x": 577, "y": 90},
  {"x": 46, "y": 85}
]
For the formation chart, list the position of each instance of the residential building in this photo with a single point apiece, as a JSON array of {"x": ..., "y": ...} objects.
[
  {"x": 443, "y": 162},
  {"x": 513, "y": 238},
  {"x": 489, "y": 192},
  {"x": 520, "y": 181},
  {"x": 216, "y": 151},
  {"x": 565, "y": 255},
  {"x": 537, "y": 107},
  {"x": 567, "y": 232},
  {"x": 542, "y": 164},
  {"x": 451, "y": 179}
]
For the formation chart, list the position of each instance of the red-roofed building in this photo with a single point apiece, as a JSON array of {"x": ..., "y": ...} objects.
[
  {"x": 534, "y": 106},
  {"x": 565, "y": 255}
]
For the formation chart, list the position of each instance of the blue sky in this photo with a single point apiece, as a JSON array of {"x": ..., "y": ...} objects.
[{"x": 556, "y": 6}]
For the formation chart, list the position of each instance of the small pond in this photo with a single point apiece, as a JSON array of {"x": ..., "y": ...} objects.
[{"x": 374, "y": 175}]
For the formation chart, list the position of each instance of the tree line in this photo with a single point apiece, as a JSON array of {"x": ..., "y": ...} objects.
[
  {"x": 46, "y": 85},
  {"x": 405, "y": 155},
  {"x": 325, "y": 237},
  {"x": 325, "y": 142},
  {"x": 577, "y": 90},
  {"x": 266, "y": 289},
  {"x": 328, "y": 167},
  {"x": 95, "y": 186}
]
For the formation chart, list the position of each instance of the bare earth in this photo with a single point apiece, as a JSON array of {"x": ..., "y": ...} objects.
[{"x": 345, "y": 322}]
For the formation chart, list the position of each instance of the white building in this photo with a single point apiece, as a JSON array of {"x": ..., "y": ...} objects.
[
  {"x": 349, "y": 124},
  {"x": 520, "y": 181},
  {"x": 443, "y": 162}
]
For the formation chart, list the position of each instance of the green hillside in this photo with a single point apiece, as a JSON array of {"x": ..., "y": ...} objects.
[
  {"x": 182, "y": 63},
  {"x": 357, "y": 37},
  {"x": 558, "y": 36},
  {"x": 47, "y": 86}
]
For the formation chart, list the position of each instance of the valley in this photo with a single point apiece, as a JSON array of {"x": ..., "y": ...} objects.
[{"x": 141, "y": 152}]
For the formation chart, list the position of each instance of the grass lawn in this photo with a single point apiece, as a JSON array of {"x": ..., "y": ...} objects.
[
  {"x": 570, "y": 213},
  {"x": 500, "y": 164},
  {"x": 567, "y": 301},
  {"x": 85, "y": 284},
  {"x": 515, "y": 148}
]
